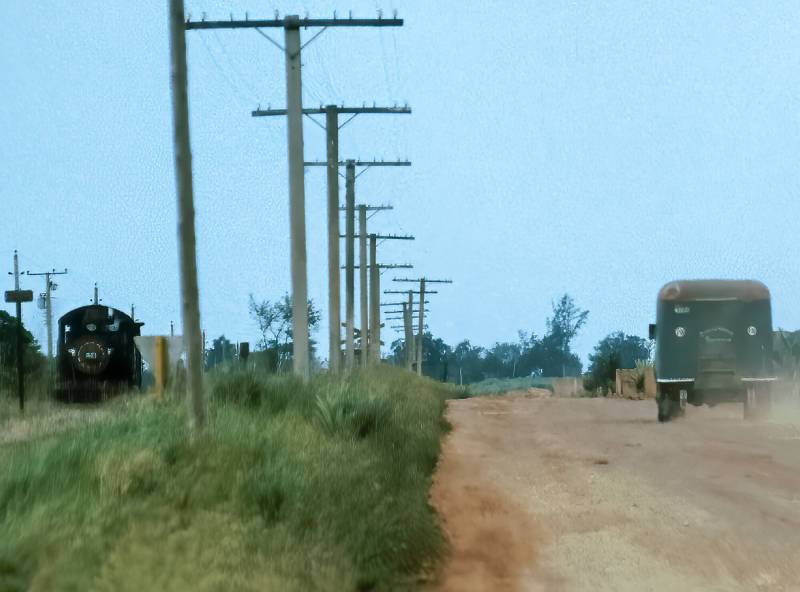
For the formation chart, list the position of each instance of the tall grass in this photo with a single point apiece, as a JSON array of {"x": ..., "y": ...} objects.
[{"x": 320, "y": 486}]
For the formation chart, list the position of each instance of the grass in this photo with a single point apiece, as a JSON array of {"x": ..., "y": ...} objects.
[
  {"x": 498, "y": 386},
  {"x": 321, "y": 486}
]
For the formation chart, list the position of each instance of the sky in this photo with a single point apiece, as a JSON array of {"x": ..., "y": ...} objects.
[{"x": 598, "y": 148}]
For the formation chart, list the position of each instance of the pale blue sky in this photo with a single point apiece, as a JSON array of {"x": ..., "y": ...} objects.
[{"x": 598, "y": 148}]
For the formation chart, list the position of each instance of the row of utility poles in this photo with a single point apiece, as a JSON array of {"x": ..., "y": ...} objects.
[
  {"x": 294, "y": 112},
  {"x": 369, "y": 267}
]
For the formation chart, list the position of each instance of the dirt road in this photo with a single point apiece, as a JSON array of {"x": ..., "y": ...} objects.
[{"x": 594, "y": 494}]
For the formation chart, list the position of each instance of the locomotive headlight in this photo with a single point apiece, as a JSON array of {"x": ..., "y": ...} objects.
[
  {"x": 680, "y": 331},
  {"x": 752, "y": 331}
]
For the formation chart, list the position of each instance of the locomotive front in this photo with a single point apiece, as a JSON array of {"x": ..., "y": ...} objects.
[{"x": 97, "y": 355}]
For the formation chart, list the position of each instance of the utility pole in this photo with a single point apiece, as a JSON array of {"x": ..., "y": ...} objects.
[
  {"x": 332, "y": 128},
  {"x": 18, "y": 296},
  {"x": 96, "y": 299},
  {"x": 362, "y": 292},
  {"x": 292, "y": 48},
  {"x": 334, "y": 289},
  {"x": 297, "y": 200},
  {"x": 20, "y": 351},
  {"x": 190, "y": 298},
  {"x": 350, "y": 208},
  {"x": 48, "y": 304},
  {"x": 409, "y": 335},
  {"x": 350, "y": 259},
  {"x": 421, "y": 331},
  {"x": 374, "y": 298}
]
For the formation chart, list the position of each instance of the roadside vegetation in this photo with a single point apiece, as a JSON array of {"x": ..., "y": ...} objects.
[
  {"x": 497, "y": 386},
  {"x": 294, "y": 487},
  {"x": 531, "y": 355}
]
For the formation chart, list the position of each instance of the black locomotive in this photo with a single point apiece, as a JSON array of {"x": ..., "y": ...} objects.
[{"x": 96, "y": 353}]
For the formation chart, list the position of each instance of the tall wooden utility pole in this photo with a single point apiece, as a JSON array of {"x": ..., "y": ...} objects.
[
  {"x": 350, "y": 262},
  {"x": 48, "y": 304},
  {"x": 297, "y": 200},
  {"x": 292, "y": 48},
  {"x": 334, "y": 290},
  {"x": 332, "y": 128},
  {"x": 374, "y": 340},
  {"x": 187, "y": 248},
  {"x": 362, "y": 290},
  {"x": 408, "y": 334},
  {"x": 421, "y": 332},
  {"x": 18, "y": 296}
]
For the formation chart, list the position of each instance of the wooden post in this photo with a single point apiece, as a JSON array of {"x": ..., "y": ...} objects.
[
  {"x": 161, "y": 366},
  {"x": 187, "y": 247}
]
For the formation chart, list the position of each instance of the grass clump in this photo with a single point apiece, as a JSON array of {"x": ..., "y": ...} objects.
[{"x": 319, "y": 486}]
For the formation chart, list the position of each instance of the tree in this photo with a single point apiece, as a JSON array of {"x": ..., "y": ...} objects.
[
  {"x": 562, "y": 328},
  {"x": 275, "y": 324},
  {"x": 436, "y": 360},
  {"x": 615, "y": 351},
  {"x": 468, "y": 360},
  {"x": 8, "y": 349},
  {"x": 222, "y": 350},
  {"x": 786, "y": 354}
]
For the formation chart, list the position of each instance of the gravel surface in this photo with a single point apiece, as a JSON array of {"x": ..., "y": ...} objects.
[{"x": 595, "y": 494}]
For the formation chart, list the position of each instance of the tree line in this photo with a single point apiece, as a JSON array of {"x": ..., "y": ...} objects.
[{"x": 531, "y": 355}]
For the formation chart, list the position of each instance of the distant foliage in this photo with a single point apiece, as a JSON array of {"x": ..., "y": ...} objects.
[
  {"x": 465, "y": 363},
  {"x": 222, "y": 350},
  {"x": 32, "y": 357},
  {"x": 275, "y": 325},
  {"x": 614, "y": 352}
]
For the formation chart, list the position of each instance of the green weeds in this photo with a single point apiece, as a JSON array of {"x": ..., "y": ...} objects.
[{"x": 320, "y": 486}]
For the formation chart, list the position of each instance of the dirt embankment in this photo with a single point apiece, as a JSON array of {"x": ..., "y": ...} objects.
[{"x": 594, "y": 494}]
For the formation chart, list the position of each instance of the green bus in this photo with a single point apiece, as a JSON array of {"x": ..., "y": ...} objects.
[{"x": 713, "y": 344}]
